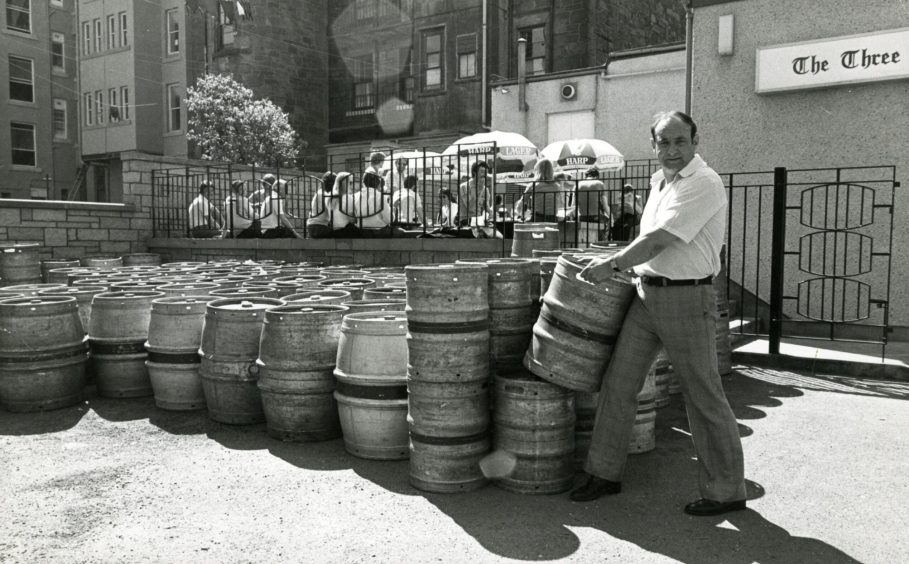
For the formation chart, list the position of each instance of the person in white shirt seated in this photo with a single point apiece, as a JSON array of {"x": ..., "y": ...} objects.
[
  {"x": 407, "y": 205},
  {"x": 448, "y": 210},
  {"x": 343, "y": 209},
  {"x": 396, "y": 176},
  {"x": 275, "y": 221},
  {"x": 318, "y": 224},
  {"x": 241, "y": 222},
  {"x": 205, "y": 220},
  {"x": 266, "y": 188},
  {"x": 372, "y": 208}
]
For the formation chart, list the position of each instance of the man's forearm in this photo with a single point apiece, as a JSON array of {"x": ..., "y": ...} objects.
[{"x": 642, "y": 249}]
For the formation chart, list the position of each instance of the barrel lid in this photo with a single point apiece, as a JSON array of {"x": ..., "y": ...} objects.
[
  {"x": 189, "y": 285},
  {"x": 445, "y": 267},
  {"x": 387, "y": 305},
  {"x": 136, "y": 295},
  {"x": 26, "y": 301},
  {"x": 32, "y": 287},
  {"x": 348, "y": 282},
  {"x": 343, "y": 267},
  {"x": 19, "y": 247},
  {"x": 251, "y": 303},
  {"x": 243, "y": 291},
  {"x": 299, "y": 278},
  {"x": 317, "y": 295},
  {"x": 180, "y": 301},
  {"x": 390, "y": 290},
  {"x": 72, "y": 290},
  {"x": 307, "y": 309},
  {"x": 129, "y": 284}
]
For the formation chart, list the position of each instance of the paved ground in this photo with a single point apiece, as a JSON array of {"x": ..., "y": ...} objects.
[{"x": 121, "y": 481}]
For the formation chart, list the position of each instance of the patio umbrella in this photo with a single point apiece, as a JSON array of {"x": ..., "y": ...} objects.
[
  {"x": 512, "y": 152},
  {"x": 419, "y": 163},
  {"x": 581, "y": 154}
]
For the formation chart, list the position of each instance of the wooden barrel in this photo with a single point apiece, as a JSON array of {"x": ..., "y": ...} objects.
[
  {"x": 385, "y": 293},
  {"x": 187, "y": 289},
  {"x": 142, "y": 259},
  {"x": 371, "y": 373},
  {"x": 383, "y": 280},
  {"x": 661, "y": 373},
  {"x": 578, "y": 324},
  {"x": 295, "y": 284},
  {"x": 117, "y": 331},
  {"x": 448, "y": 375},
  {"x": 4, "y": 295},
  {"x": 84, "y": 296},
  {"x": 643, "y": 433},
  {"x": 510, "y": 308},
  {"x": 547, "y": 269},
  {"x": 52, "y": 264},
  {"x": 296, "y": 362},
  {"x": 342, "y": 271},
  {"x": 102, "y": 261},
  {"x": 32, "y": 289},
  {"x": 377, "y": 305},
  {"x": 20, "y": 264},
  {"x": 174, "y": 338},
  {"x": 535, "y": 421},
  {"x": 325, "y": 297},
  {"x": 43, "y": 353},
  {"x": 585, "y": 411},
  {"x": 134, "y": 285},
  {"x": 229, "y": 280},
  {"x": 530, "y": 236},
  {"x": 61, "y": 275},
  {"x": 228, "y": 350},
  {"x": 244, "y": 292},
  {"x": 355, "y": 286}
]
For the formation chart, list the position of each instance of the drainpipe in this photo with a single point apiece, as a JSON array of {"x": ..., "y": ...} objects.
[
  {"x": 689, "y": 25},
  {"x": 522, "y": 74},
  {"x": 484, "y": 86}
]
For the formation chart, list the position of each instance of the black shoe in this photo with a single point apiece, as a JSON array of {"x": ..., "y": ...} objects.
[
  {"x": 595, "y": 488},
  {"x": 705, "y": 507}
]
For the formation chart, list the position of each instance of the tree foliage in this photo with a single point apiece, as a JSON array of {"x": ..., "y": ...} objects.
[{"x": 229, "y": 124}]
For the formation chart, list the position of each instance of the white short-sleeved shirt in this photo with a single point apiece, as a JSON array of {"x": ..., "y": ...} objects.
[
  {"x": 200, "y": 211},
  {"x": 693, "y": 208}
]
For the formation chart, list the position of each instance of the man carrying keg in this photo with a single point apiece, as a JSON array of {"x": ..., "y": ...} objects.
[{"x": 674, "y": 260}]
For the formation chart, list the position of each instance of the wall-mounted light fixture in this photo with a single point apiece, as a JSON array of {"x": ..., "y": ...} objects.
[{"x": 725, "y": 35}]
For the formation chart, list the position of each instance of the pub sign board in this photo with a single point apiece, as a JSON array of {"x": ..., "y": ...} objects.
[{"x": 869, "y": 57}]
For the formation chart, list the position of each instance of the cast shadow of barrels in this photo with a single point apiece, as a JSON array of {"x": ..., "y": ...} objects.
[{"x": 42, "y": 422}]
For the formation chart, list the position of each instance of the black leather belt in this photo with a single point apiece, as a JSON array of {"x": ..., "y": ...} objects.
[{"x": 663, "y": 281}]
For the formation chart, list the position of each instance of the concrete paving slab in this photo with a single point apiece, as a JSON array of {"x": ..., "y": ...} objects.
[{"x": 122, "y": 481}]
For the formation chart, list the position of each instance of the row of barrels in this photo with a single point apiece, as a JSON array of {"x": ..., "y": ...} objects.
[{"x": 20, "y": 263}]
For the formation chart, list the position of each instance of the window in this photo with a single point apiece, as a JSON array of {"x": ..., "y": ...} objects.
[
  {"x": 57, "y": 3},
  {"x": 364, "y": 82},
  {"x": 112, "y": 32},
  {"x": 123, "y": 35},
  {"x": 86, "y": 38},
  {"x": 433, "y": 64},
  {"x": 467, "y": 55},
  {"x": 405, "y": 85},
  {"x": 99, "y": 106},
  {"x": 173, "y": 107},
  {"x": 96, "y": 26},
  {"x": 173, "y": 32},
  {"x": 88, "y": 108},
  {"x": 58, "y": 59},
  {"x": 390, "y": 8},
  {"x": 227, "y": 31},
  {"x": 19, "y": 15},
  {"x": 21, "y": 79},
  {"x": 124, "y": 102},
  {"x": 365, "y": 9},
  {"x": 113, "y": 106},
  {"x": 22, "y": 136},
  {"x": 59, "y": 119},
  {"x": 536, "y": 49}
]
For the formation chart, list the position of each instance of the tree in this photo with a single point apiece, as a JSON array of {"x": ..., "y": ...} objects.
[{"x": 228, "y": 124}]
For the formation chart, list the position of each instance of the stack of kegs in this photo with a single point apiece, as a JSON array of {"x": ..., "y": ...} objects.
[
  {"x": 174, "y": 337},
  {"x": 20, "y": 264},
  {"x": 447, "y": 375}
]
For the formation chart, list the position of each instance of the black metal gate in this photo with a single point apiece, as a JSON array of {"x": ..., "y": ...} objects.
[{"x": 810, "y": 252}]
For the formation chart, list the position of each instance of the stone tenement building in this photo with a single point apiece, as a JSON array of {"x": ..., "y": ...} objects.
[{"x": 352, "y": 74}]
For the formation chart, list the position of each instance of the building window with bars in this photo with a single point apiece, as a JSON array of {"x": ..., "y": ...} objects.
[
  {"x": 173, "y": 31},
  {"x": 58, "y": 54},
  {"x": 59, "y": 124},
  {"x": 174, "y": 109},
  {"x": 406, "y": 81},
  {"x": 88, "y": 108},
  {"x": 99, "y": 106},
  {"x": 19, "y": 15},
  {"x": 433, "y": 60},
  {"x": 21, "y": 79},
  {"x": 124, "y": 102},
  {"x": 364, "y": 82},
  {"x": 227, "y": 30},
  {"x": 97, "y": 35},
  {"x": 124, "y": 37},
  {"x": 467, "y": 55},
  {"x": 86, "y": 38},
  {"x": 113, "y": 105},
  {"x": 112, "y": 32},
  {"x": 22, "y": 142},
  {"x": 536, "y": 49}
]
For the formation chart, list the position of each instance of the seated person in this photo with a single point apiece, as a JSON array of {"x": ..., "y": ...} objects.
[
  {"x": 275, "y": 221},
  {"x": 266, "y": 187},
  {"x": 205, "y": 220},
  {"x": 342, "y": 209},
  {"x": 318, "y": 224},
  {"x": 593, "y": 210},
  {"x": 448, "y": 209},
  {"x": 475, "y": 195},
  {"x": 406, "y": 204},
  {"x": 545, "y": 197},
  {"x": 240, "y": 218},
  {"x": 371, "y": 207}
]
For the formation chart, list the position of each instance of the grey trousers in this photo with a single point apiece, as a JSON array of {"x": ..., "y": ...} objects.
[{"x": 683, "y": 320}]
